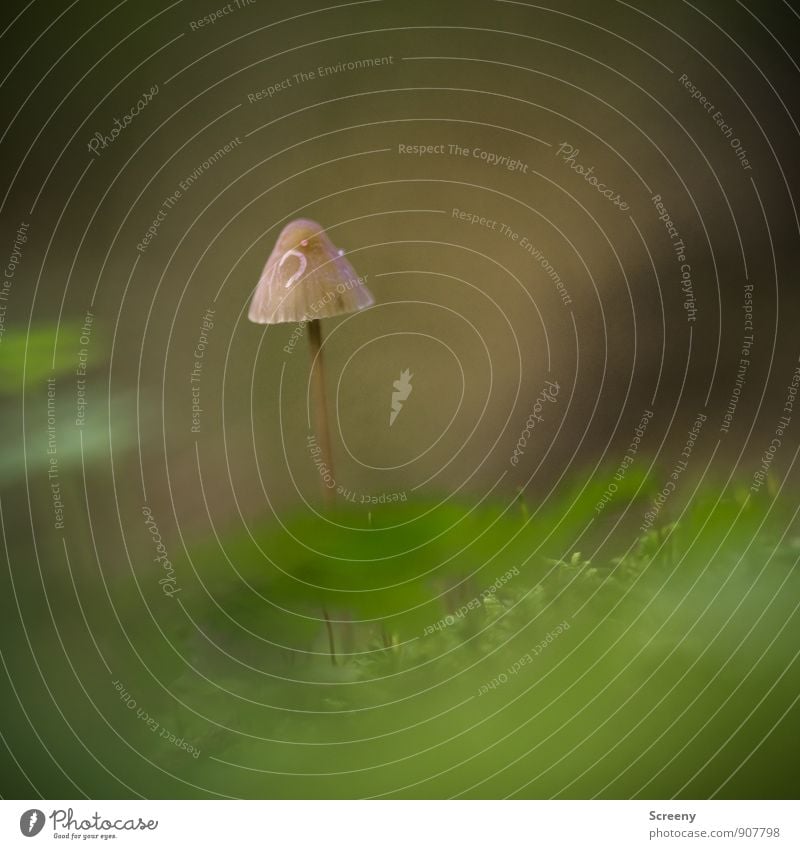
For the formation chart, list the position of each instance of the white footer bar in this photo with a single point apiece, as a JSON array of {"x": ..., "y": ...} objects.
[{"x": 402, "y": 824}]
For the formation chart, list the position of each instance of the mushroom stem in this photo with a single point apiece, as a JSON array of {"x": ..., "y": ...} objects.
[
  {"x": 320, "y": 407},
  {"x": 324, "y": 437},
  {"x": 329, "y": 629}
]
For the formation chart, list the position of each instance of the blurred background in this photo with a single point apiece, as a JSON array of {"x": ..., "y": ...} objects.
[{"x": 599, "y": 195}]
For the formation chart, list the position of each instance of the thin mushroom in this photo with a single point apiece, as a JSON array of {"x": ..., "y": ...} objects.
[{"x": 307, "y": 278}]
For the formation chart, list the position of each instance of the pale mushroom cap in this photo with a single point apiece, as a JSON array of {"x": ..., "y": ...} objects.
[{"x": 306, "y": 277}]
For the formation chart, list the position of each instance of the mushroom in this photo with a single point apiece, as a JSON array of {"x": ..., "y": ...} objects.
[{"x": 306, "y": 279}]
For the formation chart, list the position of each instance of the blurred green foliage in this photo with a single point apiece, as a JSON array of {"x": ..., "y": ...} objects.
[
  {"x": 29, "y": 357},
  {"x": 678, "y": 656},
  {"x": 423, "y": 649}
]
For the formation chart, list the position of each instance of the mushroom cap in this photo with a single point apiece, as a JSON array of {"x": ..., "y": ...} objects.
[{"x": 306, "y": 277}]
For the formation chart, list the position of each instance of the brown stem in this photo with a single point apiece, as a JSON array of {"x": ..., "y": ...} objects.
[
  {"x": 320, "y": 407},
  {"x": 324, "y": 438},
  {"x": 329, "y": 629},
  {"x": 523, "y": 505}
]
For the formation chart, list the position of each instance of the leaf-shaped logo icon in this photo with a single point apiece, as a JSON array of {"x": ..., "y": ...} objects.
[{"x": 31, "y": 822}]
